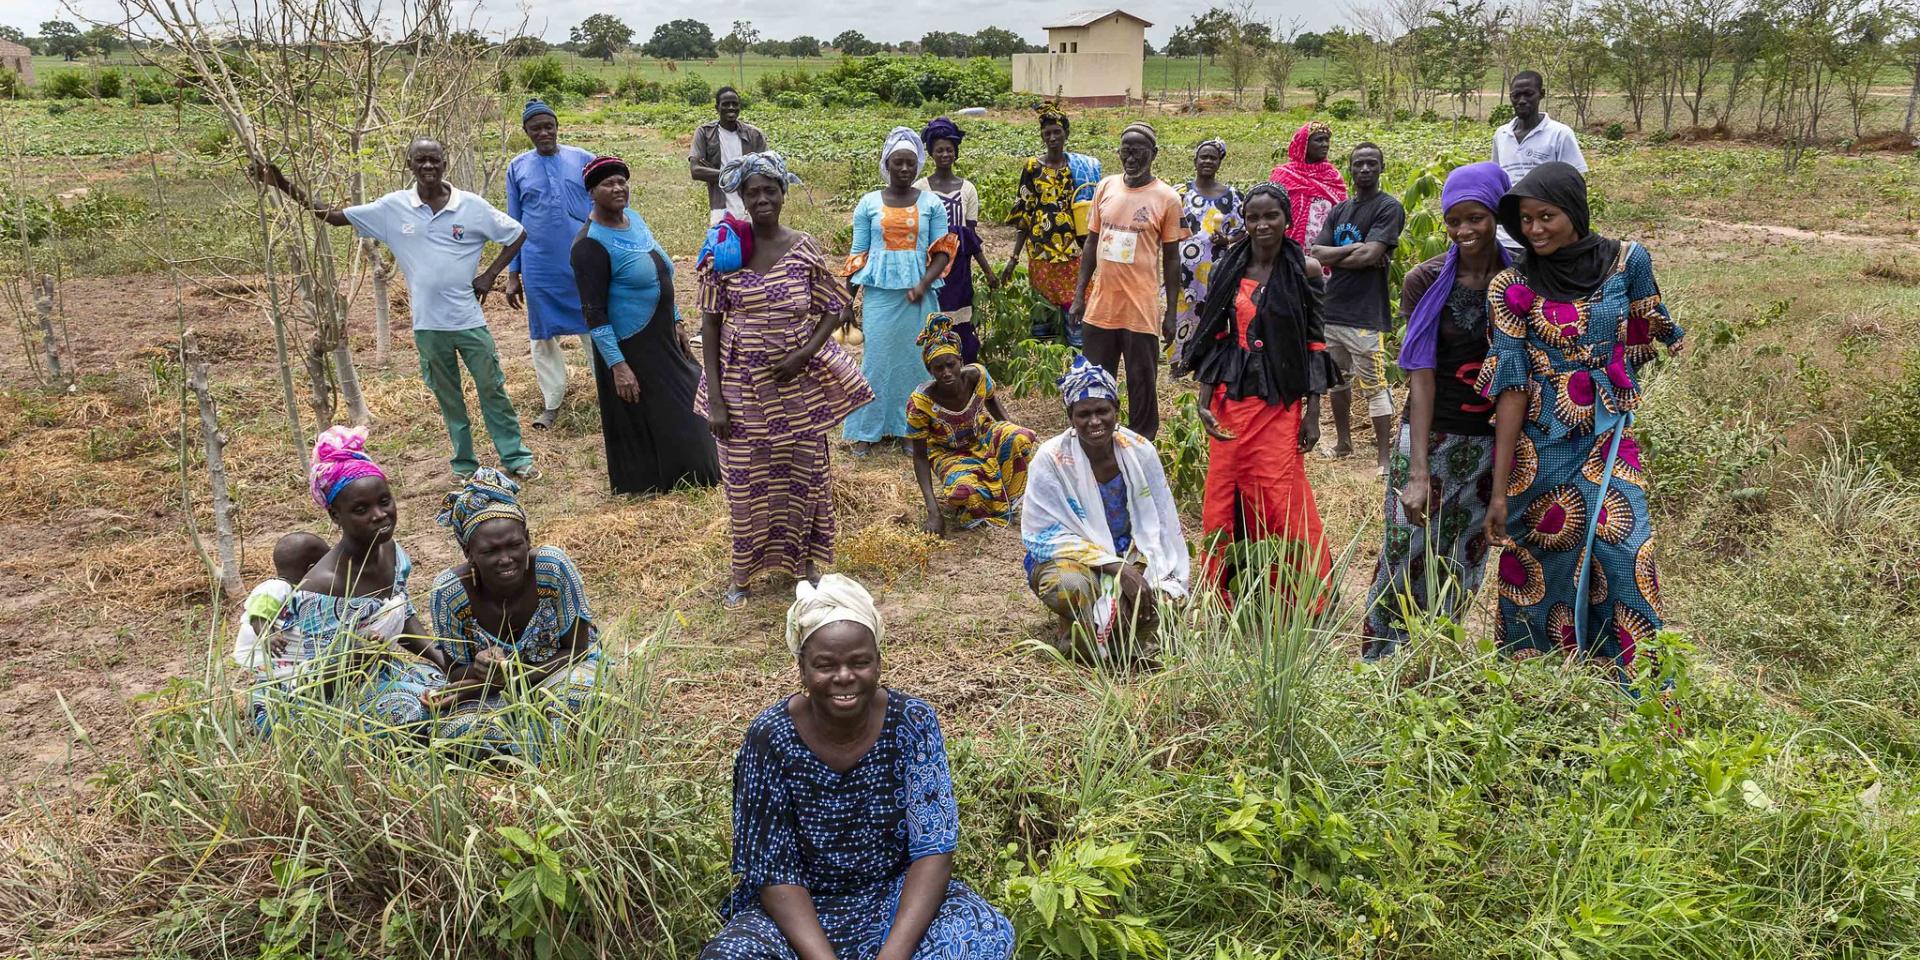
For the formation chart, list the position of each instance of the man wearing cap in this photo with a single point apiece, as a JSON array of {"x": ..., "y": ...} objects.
[
  {"x": 727, "y": 137},
  {"x": 1130, "y": 274},
  {"x": 544, "y": 193}
]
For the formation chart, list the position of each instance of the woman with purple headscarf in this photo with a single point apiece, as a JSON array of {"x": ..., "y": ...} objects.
[{"x": 1435, "y": 551}]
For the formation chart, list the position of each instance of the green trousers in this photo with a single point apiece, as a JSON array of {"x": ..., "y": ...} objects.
[{"x": 441, "y": 353}]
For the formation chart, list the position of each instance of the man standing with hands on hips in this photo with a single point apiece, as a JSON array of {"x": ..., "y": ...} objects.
[
  {"x": 437, "y": 233},
  {"x": 1127, "y": 296},
  {"x": 546, "y": 194},
  {"x": 1355, "y": 246}
]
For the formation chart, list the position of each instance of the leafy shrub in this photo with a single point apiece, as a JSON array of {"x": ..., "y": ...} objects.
[
  {"x": 910, "y": 81},
  {"x": 65, "y": 85},
  {"x": 1616, "y": 131},
  {"x": 545, "y": 77},
  {"x": 1429, "y": 115},
  {"x": 1344, "y": 109},
  {"x": 1659, "y": 137},
  {"x": 149, "y": 92},
  {"x": 1500, "y": 114},
  {"x": 584, "y": 84},
  {"x": 10, "y": 86},
  {"x": 107, "y": 85},
  {"x": 694, "y": 91},
  {"x": 1891, "y": 425},
  {"x": 1271, "y": 102},
  {"x": 634, "y": 88}
]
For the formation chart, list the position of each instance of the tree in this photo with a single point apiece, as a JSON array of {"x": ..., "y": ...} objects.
[
  {"x": 61, "y": 39},
  {"x": 524, "y": 46},
  {"x": 804, "y": 46},
  {"x": 1910, "y": 57},
  {"x": 1146, "y": 48},
  {"x": 20, "y": 37},
  {"x": 1282, "y": 56},
  {"x": 681, "y": 40},
  {"x": 1459, "y": 36},
  {"x": 1628, "y": 25},
  {"x": 1236, "y": 48},
  {"x": 744, "y": 35},
  {"x": 1209, "y": 31},
  {"x": 943, "y": 43},
  {"x": 997, "y": 42},
  {"x": 601, "y": 35},
  {"x": 1310, "y": 44},
  {"x": 853, "y": 43},
  {"x": 1256, "y": 35},
  {"x": 104, "y": 39}
]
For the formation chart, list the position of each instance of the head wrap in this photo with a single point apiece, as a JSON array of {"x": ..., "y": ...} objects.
[
  {"x": 1270, "y": 189},
  {"x": 1050, "y": 113},
  {"x": 902, "y": 139},
  {"x": 837, "y": 598},
  {"x": 1297, "y": 147},
  {"x": 769, "y": 164},
  {"x": 937, "y": 338},
  {"x": 1086, "y": 380},
  {"x": 534, "y": 108},
  {"x": 1483, "y": 183},
  {"x": 1575, "y": 270},
  {"x": 1216, "y": 143},
  {"x": 487, "y": 495},
  {"x": 1144, "y": 129},
  {"x": 1310, "y": 186},
  {"x": 600, "y": 168},
  {"x": 339, "y": 458},
  {"x": 942, "y": 128}
]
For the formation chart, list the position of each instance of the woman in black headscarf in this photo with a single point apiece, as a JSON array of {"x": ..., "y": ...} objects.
[
  {"x": 1574, "y": 320},
  {"x": 1259, "y": 355}
]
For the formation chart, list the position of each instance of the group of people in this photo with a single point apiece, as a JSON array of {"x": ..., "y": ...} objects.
[{"x": 1523, "y": 349}]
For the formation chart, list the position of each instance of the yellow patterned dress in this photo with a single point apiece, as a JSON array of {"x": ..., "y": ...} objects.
[{"x": 979, "y": 463}]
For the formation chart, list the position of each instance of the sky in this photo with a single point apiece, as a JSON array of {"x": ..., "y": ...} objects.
[{"x": 880, "y": 20}]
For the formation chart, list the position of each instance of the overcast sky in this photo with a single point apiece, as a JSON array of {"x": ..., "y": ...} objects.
[{"x": 879, "y": 19}]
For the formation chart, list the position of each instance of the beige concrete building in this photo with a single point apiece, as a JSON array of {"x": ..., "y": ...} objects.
[
  {"x": 18, "y": 59},
  {"x": 1093, "y": 58}
]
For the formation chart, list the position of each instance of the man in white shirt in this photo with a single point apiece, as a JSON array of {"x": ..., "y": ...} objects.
[
  {"x": 1532, "y": 138},
  {"x": 437, "y": 234}
]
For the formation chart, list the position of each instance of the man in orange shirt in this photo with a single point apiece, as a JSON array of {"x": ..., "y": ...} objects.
[{"x": 1132, "y": 299}]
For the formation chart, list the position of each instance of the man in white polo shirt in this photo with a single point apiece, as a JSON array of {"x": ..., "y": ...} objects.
[
  {"x": 437, "y": 233},
  {"x": 1531, "y": 138}
]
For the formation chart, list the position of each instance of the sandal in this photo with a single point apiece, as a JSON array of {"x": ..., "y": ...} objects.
[
  {"x": 545, "y": 419},
  {"x": 734, "y": 598},
  {"x": 861, "y": 448}
]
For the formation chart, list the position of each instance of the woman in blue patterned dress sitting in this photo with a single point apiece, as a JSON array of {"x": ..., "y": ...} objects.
[
  {"x": 1574, "y": 320},
  {"x": 348, "y": 630},
  {"x": 514, "y": 624},
  {"x": 844, "y": 819}
]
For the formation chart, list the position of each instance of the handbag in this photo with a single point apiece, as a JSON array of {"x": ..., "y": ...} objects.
[{"x": 729, "y": 244}]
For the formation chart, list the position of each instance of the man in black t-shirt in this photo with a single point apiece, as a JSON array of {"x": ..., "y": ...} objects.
[{"x": 1356, "y": 245}]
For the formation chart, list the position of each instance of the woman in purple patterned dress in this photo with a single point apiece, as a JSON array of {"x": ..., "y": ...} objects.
[{"x": 782, "y": 383}]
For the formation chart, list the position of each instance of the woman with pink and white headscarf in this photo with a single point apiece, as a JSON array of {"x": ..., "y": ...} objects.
[{"x": 359, "y": 652}]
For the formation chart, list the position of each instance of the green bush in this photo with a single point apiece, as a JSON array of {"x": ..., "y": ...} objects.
[
  {"x": 911, "y": 81},
  {"x": 10, "y": 86},
  {"x": 1344, "y": 109},
  {"x": 107, "y": 84},
  {"x": 634, "y": 88},
  {"x": 694, "y": 91},
  {"x": 1500, "y": 114},
  {"x": 1616, "y": 131},
  {"x": 65, "y": 85},
  {"x": 584, "y": 84},
  {"x": 1271, "y": 102},
  {"x": 545, "y": 77},
  {"x": 1891, "y": 425}
]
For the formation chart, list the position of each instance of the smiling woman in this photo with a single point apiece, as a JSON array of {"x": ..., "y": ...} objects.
[{"x": 844, "y": 817}]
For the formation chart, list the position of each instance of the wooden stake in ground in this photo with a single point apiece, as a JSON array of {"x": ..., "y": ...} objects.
[
  {"x": 49, "y": 343},
  {"x": 214, "y": 444}
]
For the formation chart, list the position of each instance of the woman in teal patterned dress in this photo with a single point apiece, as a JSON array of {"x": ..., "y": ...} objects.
[
  {"x": 514, "y": 624},
  {"x": 1574, "y": 322},
  {"x": 349, "y": 627}
]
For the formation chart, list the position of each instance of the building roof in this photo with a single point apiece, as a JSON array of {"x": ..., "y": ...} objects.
[
  {"x": 1082, "y": 18},
  {"x": 10, "y": 49}
]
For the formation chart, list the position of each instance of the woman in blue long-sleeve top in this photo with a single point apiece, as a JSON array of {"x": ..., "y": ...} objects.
[{"x": 655, "y": 441}]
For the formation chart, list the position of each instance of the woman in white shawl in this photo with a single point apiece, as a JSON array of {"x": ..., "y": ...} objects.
[{"x": 1102, "y": 536}]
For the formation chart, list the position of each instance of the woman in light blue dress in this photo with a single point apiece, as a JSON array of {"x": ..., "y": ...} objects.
[{"x": 901, "y": 250}]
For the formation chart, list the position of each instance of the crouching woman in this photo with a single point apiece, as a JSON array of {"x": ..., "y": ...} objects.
[{"x": 844, "y": 818}]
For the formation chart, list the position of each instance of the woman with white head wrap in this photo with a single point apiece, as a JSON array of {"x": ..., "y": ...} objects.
[
  {"x": 844, "y": 816},
  {"x": 900, "y": 254},
  {"x": 1102, "y": 534}
]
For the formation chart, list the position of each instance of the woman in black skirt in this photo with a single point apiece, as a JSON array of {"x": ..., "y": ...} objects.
[{"x": 655, "y": 441}]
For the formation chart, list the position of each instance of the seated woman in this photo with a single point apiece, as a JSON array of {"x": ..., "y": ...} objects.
[
  {"x": 348, "y": 628},
  {"x": 514, "y": 624},
  {"x": 1101, "y": 572},
  {"x": 960, "y": 435},
  {"x": 844, "y": 818}
]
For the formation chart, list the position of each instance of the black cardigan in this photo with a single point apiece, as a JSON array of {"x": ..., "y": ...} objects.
[{"x": 1286, "y": 362}]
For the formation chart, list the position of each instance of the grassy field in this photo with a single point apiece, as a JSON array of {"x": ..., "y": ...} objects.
[{"x": 1265, "y": 796}]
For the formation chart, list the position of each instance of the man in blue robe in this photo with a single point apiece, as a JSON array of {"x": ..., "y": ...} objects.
[{"x": 546, "y": 194}]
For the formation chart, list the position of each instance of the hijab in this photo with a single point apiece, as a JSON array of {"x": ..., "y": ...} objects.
[
  {"x": 1308, "y": 184},
  {"x": 1484, "y": 183},
  {"x": 1576, "y": 270}
]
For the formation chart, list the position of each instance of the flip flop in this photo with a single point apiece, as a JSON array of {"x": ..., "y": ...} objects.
[
  {"x": 545, "y": 419},
  {"x": 734, "y": 598}
]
